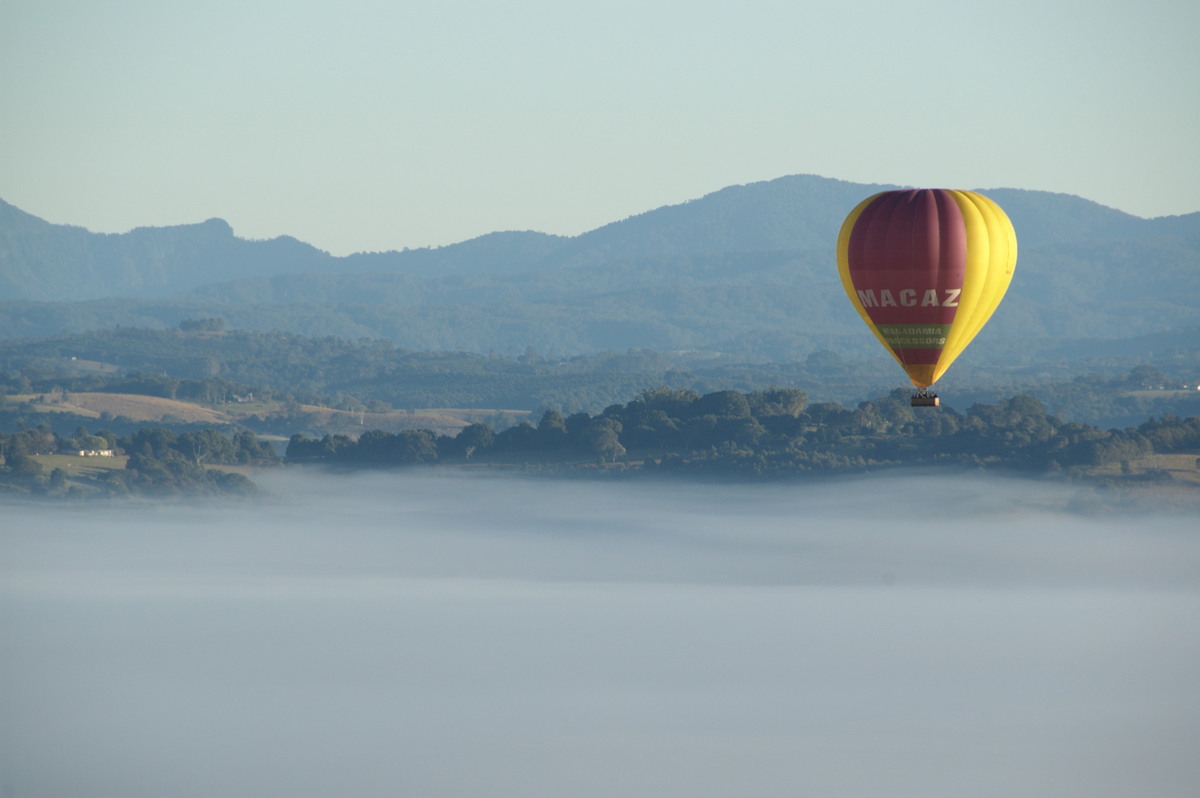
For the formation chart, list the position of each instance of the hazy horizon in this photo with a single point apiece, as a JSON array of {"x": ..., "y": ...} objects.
[
  {"x": 416, "y": 634},
  {"x": 366, "y": 126}
]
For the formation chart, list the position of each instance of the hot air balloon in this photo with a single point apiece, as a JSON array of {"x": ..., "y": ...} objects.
[{"x": 926, "y": 268}]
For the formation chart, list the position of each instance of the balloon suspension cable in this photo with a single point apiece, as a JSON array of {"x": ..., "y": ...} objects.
[{"x": 923, "y": 397}]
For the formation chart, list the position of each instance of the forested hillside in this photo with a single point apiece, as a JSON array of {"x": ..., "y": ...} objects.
[
  {"x": 140, "y": 412},
  {"x": 51, "y": 262},
  {"x": 746, "y": 272},
  {"x": 207, "y": 364}
]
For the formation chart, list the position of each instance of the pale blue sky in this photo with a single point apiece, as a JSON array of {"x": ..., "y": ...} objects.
[{"x": 362, "y": 125}]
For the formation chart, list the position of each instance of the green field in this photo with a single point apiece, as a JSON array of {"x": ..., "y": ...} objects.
[{"x": 81, "y": 467}]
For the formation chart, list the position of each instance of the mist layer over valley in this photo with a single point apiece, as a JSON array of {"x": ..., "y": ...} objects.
[{"x": 439, "y": 635}]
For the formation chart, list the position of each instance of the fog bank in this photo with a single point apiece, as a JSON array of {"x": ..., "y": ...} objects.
[{"x": 395, "y": 634}]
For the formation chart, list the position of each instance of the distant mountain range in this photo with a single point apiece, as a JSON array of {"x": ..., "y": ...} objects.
[{"x": 747, "y": 271}]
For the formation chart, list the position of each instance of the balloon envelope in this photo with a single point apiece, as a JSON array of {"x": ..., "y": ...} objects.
[{"x": 926, "y": 268}]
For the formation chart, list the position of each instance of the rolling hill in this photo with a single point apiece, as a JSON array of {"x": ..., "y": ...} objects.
[{"x": 745, "y": 272}]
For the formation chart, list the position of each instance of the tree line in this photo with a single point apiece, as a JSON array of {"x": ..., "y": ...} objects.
[{"x": 772, "y": 432}]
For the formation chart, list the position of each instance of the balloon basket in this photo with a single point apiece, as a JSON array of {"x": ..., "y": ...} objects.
[{"x": 923, "y": 398}]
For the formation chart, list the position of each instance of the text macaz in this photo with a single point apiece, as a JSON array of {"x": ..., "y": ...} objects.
[{"x": 907, "y": 298}]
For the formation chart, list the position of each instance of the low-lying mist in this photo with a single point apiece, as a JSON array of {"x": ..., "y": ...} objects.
[{"x": 433, "y": 635}]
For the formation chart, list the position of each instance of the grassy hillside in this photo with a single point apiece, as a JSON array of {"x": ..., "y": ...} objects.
[
  {"x": 102, "y": 407},
  {"x": 131, "y": 406}
]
